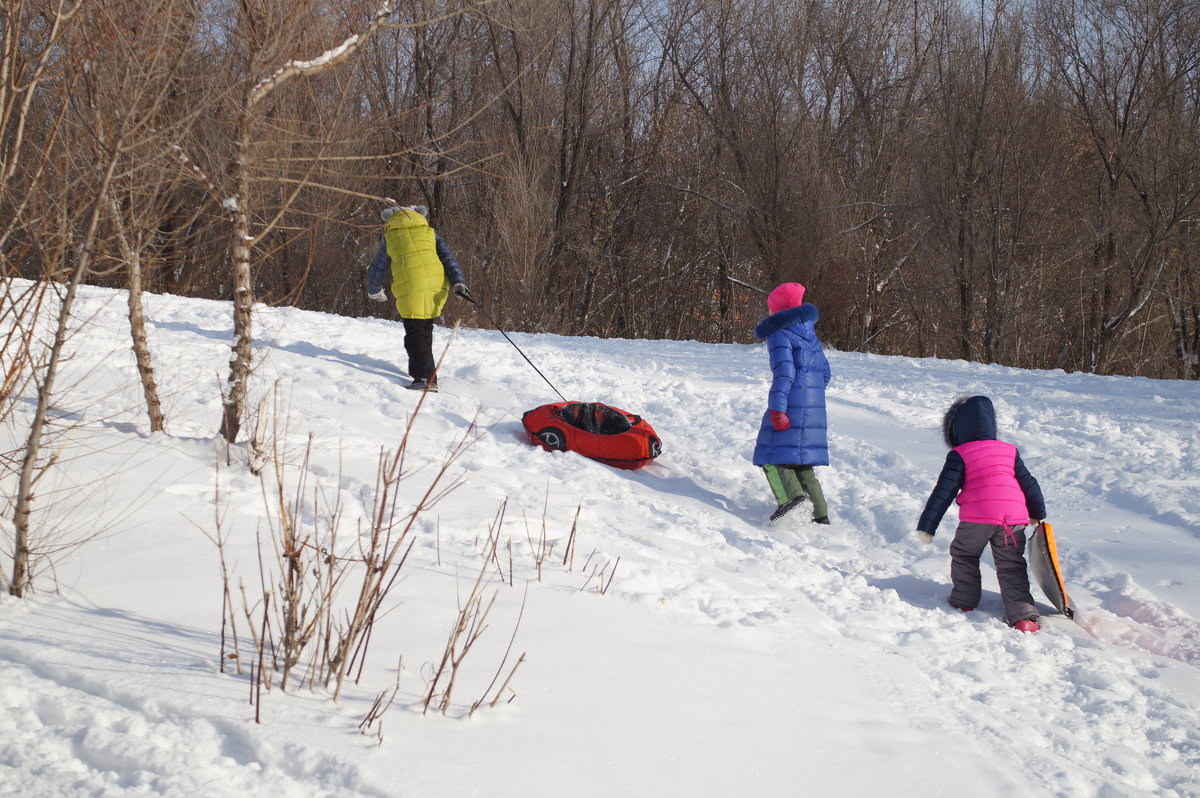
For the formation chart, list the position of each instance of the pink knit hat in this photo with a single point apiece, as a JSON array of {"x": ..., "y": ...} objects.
[{"x": 787, "y": 295}]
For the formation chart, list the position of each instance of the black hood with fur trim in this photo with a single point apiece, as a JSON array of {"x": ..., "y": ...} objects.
[{"x": 970, "y": 418}]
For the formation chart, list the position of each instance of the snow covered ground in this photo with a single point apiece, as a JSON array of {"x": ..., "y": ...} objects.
[{"x": 685, "y": 649}]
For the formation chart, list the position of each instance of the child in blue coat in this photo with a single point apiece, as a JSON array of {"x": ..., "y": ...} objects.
[{"x": 792, "y": 435}]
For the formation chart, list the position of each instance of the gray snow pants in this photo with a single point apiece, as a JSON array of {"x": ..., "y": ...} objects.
[{"x": 1008, "y": 552}]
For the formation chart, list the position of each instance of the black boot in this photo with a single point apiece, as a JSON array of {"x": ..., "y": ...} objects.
[{"x": 787, "y": 507}]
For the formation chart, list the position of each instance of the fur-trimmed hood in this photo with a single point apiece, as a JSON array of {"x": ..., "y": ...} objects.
[
  {"x": 786, "y": 318},
  {"x": 970, "y": 418}
]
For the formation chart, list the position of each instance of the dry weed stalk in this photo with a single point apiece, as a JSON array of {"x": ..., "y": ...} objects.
[
  {"x": 569, "y": 553},
  {"x": 470, "y": 625},
  {"x": 229, "y": 638},
  {"x": 382, "y": 703},
  {"x": 298, "y": 615},
  {"x": 497, "y": 523},
  {"x": 308, "y": 570},
  {"x": 389, "y": 534},
  {"x": 543, "y": 549},
  {"x": 305, "y": 594},
  {"x": 599, "y": 570},
  {"x": 500, "y": 669}
]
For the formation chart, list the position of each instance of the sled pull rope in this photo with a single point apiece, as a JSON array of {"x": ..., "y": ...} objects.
[{"x": 488, "y": 316}]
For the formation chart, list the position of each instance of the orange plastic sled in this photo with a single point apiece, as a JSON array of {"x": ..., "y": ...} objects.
[{"x": 1043, "y": 561}]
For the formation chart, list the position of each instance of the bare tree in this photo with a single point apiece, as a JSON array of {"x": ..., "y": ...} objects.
[
  {"x": 70, "y": 259},
  {"x": 1000, "y": 181},
  {"x": 1128, "y": 66},
  {"x": 261, "y": 83},
  {"x": 139, "y": 74}
]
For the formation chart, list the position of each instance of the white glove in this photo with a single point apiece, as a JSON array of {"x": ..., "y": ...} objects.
[
  {"x": 378, "y": 296},
  {"x": 924, "y": 537}
]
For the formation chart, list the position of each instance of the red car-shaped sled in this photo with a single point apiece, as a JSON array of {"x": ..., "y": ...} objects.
[{"x": 594, "y": 430}]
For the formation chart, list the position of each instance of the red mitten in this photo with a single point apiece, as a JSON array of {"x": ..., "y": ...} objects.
[{"x": 779, "y": 420}]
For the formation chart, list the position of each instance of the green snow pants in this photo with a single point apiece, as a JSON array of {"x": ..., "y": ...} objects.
[{"x": 790, "y": 481}]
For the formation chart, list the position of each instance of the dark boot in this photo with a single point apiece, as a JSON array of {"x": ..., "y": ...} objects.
[{"x": 788, "y": 507}]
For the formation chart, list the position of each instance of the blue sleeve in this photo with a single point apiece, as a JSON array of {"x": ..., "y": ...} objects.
[
  {"x": 949, "y": 483},
  {"x": 783, "y": 371},
  {"x": 1034, "y": 501},
  {"x": 454, "y": 272},
  {"x": 380, "y": 269}
]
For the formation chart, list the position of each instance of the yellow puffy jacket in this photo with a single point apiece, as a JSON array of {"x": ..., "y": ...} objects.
[{"x": 418, "y": 278}]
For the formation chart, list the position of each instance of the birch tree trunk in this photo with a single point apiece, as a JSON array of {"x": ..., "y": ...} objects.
[
  {"x": 141, "y": 347},
  {"x": 33, "y": 446},
  {"x": 137, "y": 320},
  {"x": 234, "y": 398},
  {"x": 240, "y": 362}
]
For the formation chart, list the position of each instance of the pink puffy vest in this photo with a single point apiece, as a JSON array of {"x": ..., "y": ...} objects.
[{"x": 990, "y": 493}]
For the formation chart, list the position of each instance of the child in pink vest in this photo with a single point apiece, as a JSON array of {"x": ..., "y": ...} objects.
[{"x": 997, "y": 498}]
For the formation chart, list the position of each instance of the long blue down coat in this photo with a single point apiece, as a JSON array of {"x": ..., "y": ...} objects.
[{"x": 800, "y": 373}]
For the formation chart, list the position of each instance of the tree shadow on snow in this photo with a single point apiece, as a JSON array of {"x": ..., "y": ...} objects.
[
  {"x": 367, "y": 365},
  {"x": 132, "y": 638}
]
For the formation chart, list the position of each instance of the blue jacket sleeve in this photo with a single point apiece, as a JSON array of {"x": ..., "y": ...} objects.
[
  {"x": 454, "y": 272},
  {"x": 380, "y": 270},
  {"x": 949, "y": 483},
  {"x": 1032, "y": 490},
  {"x": 783, "y": 371}
]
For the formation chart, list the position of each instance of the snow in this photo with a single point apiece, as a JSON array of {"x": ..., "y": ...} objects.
[{"x": 725, "y": 656}]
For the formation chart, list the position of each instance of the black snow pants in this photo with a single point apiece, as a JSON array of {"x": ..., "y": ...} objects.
[
  {"x": 1008, "y": 553},
  {"x": 418, "y": 343}
]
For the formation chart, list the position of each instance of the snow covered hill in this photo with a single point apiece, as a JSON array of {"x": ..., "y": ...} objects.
[{"x": 674, "y": 643}]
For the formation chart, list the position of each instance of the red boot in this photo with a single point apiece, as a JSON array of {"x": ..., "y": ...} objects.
[{"x": 1027, "y": 625}]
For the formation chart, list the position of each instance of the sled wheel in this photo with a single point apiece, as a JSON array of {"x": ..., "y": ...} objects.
[{"x": 553, "y": 438}]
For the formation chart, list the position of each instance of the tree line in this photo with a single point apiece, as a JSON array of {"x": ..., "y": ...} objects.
[{"x": 998, "y": 181}]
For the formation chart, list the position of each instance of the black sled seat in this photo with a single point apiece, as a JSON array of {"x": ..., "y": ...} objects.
[{"x": 596, "y": 418}]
